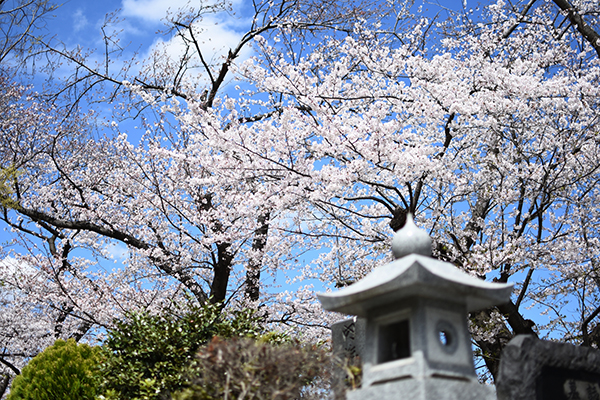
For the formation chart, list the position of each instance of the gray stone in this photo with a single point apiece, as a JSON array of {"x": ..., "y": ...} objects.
[
  {"x": 410, "y": 276},
  {"x": 538, "y": 369},
  {"x": 425, "y": 389},
  {"x": 348, "y": 345},
  {"x": 411, "y": 240},
  {"x": 348, "y": 337},
  {"x": 417, "y": 342}
]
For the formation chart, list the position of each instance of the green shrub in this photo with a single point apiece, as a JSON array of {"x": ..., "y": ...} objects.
[
  {"x": 65, "y": 370},
  {"x": 255, "y": 370},
  {"x": 149, "y": 356}
]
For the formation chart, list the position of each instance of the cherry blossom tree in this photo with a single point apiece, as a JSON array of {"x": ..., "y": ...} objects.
[
  {"x": 490, "y": 140},
  {"x": 194, "y": 223},
  {"x": 45, "y": 292},
  {"x": 21, "y": 20},
  {"x": 484, "y": 126}
]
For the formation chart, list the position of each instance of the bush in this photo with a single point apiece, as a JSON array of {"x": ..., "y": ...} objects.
[
  {"x": 65, "y": 370},
  {"x": 255, "y": 370},
  {"x": 149, "y": 356}
]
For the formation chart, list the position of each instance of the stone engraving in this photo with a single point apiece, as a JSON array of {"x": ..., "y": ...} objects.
[
  {"x": 566, "y": 384},
  {"x": 348, "y": 343},
  {"x": 348, "y": 337}
]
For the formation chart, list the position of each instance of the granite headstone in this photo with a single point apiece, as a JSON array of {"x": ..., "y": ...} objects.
[
  {"x": 348, "y": 337},
  {"x": 348, "y": 343},
  {"x": 534, "y": 369}
]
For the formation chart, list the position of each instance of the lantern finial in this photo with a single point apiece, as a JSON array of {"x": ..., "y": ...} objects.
[{"x": 411, "y": 240}]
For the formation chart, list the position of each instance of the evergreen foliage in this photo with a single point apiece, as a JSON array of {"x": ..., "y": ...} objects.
[
  {"x": 6, "y": 175},
  {"x": 65, "y": 370},
  {"x": 149, "y": 356}
]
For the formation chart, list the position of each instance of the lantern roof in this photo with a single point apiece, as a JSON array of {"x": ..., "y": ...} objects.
[{"x": 412, "y": 275}]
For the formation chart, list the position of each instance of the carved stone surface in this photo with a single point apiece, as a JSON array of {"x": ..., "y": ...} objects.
[
  {"x": 348, "y": 345},
  {"x": 533, "y": 369},
  {"x": 348, "y": 337}
]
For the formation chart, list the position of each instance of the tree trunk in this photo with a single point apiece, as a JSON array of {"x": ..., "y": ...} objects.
[
  {"x": 589, "y": 34},
  {"x": 255, "y": 262},
  {"x": 5, "y": 379},
  {"x": 218, "y": 289}
]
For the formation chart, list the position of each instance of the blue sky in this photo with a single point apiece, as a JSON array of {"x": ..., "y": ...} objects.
[{"x": 79, "y": 22}]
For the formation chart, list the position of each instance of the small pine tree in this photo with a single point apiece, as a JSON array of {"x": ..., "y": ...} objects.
[{"x": 65, "y": 370}]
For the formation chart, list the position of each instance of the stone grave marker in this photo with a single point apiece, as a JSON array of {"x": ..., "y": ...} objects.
[
  {"x": 348, "y": 344},
  {"x": 348, "y": 337},
  {"x": 534, "y": 369}
]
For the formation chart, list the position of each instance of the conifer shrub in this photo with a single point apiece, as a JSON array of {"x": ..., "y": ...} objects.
[
  {"x": 246, "y": 369},
  {"x": 150, "y": 356},
  {"x": 65, "y": 370}
]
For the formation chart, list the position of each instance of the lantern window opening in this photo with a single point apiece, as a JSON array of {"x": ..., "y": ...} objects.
[
  {"x": 394, "y": 341},
  {"x": 447, "y": 336}
]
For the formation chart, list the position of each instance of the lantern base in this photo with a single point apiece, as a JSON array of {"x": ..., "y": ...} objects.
[{"x": 432, "y": 388}]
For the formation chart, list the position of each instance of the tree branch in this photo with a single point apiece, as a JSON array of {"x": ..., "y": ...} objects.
[
  {"x": 521, "y": 18},
  {"x": 584, "y": 327},
  {"x": 589, "y": 34},
  {"x": 10, "y": 365}
]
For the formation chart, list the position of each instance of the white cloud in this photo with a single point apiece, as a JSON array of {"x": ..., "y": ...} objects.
[
  {"x": 79, "y": 20},
  {"x": 215, "y": 39},
  {"x": 151, "y": 10},
  {"x": 216, "y": 34},
  {"x": 156, "y": 10}
]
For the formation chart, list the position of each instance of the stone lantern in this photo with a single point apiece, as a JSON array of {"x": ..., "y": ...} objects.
[{"x": 417, "y": 342}]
